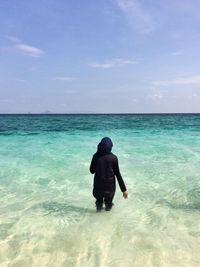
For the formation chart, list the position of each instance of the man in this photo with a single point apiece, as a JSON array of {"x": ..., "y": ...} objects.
[{"x": 105, "y": 166}]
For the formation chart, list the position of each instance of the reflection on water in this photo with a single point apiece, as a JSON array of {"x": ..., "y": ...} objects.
[
  {"x": 62, "y": 209},
  {"x": 188, "y": 202}
]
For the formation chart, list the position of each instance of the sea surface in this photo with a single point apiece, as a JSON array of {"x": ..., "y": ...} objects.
[{"x": 47, "y": 211}]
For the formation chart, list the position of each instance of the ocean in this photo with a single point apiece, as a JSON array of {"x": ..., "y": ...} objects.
[{"x": 47, "y": 211}]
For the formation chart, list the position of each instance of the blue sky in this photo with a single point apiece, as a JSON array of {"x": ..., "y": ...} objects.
[{"x": 99, "y": 56}]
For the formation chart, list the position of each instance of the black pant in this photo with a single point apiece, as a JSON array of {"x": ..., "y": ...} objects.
[{"x": 104, "y": 196}]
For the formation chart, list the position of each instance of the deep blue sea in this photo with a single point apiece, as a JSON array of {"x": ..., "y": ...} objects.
[{"x": 47, "y": 211}]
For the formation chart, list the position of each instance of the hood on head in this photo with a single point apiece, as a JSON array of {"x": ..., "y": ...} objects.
[{"x": 105, "y": 146}]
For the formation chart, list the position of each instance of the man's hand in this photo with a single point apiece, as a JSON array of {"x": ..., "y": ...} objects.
[{"x": 125, "y": 194}]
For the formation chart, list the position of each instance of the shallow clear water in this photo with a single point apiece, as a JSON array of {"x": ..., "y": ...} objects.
[{"x": 47, "y": 215}]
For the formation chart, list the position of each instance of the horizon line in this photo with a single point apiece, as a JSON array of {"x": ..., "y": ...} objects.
[{"x": 104, "y": 113}]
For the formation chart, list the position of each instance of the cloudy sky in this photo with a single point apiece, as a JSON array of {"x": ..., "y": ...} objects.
[{"x": 99, "y": 56}]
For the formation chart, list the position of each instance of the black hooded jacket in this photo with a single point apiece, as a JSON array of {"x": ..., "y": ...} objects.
[{"x": 105, "y": 166}]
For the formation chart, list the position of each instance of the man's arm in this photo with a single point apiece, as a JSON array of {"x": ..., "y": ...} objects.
[
  {"x": 119, "y": 177},
  {"x": 93, "y": 165}
]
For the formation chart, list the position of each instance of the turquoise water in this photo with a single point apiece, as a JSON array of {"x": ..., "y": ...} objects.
[{"x": 47, "y": 215}]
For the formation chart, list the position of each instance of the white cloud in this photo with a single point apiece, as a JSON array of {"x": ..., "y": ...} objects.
[
  {"x": 13, "y": 39},
  {"x": 8, "y": 100},
  {"x": 155, "y": 96},
  {"x": 20, "y": 80},
  {"x": 192, "y": 80},
  {"x": 26, "y": 49},
  {"x": 118, "y": 62},
  {"x": 193, "y": 96},
  {"x": 138, "y": 18},
  {"x": 29, "y": 50},
  {"x": 64, "y": 78},
  {"x": 177, "y": 53}
]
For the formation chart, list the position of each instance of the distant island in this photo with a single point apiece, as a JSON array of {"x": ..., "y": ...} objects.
[{"x": 46, "y": 112}]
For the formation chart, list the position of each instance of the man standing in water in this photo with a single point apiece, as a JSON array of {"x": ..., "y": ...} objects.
[{"x": 105, "y": 166}]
